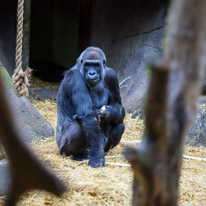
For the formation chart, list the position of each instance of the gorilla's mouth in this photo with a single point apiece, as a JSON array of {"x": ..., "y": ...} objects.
[{"x": 92, "y": 82}]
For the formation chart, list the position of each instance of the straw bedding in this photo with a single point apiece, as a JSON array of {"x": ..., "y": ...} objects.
[{"x": 111, "y": 185}]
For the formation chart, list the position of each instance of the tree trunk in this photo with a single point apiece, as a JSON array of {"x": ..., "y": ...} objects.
[
  {"x": 174, "y": 88},
  {"x": 1, "y": 154}
]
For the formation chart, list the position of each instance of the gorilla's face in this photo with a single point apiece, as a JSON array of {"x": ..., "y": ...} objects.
[
  {"x": 92, "y": 72},
  {"x": 92, "y": 66}
]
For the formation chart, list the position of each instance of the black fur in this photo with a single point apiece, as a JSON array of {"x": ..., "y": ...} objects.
[{"x": 83, "y": 129}]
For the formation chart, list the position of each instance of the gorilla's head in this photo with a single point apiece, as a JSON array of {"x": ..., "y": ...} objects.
[{"x": 92, "y": 62}]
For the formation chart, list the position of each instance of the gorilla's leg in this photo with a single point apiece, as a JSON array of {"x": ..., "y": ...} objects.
[
  {"x": 92, "y": 134},
  {"x": 114, "y": 136},
  {"x": 72, "y": 141},
  {"x": 81, "y": 138},
  {"x": 105, "y": 130}
]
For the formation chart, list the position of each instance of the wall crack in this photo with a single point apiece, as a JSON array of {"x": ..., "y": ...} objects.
[{"x": 139, "y": 34}]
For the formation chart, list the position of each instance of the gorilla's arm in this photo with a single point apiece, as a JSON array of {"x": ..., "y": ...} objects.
[
  {"x": 87, "y": 117},
  {"x": 114, "y": 111}
]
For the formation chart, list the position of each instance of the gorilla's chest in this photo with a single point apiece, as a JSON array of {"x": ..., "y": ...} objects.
[{"x": 99, "y": 96}]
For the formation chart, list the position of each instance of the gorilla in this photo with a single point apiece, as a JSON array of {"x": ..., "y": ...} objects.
[{"x": 89, "y": 109}]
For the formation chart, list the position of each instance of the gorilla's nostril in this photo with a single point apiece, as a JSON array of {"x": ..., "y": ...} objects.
[{"x": 92, "y": 73}]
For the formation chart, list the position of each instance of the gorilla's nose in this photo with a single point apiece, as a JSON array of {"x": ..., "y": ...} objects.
[{"x": 92, "y": 73}]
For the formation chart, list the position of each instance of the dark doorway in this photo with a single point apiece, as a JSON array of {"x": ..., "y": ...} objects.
[{"x": 54, "y": 36}]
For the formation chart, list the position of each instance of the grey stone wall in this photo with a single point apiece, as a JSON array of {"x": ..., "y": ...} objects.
[{"x": 130, "y": 32}]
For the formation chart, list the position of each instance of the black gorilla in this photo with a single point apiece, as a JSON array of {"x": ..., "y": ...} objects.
[{"x": 89, "y": 109}]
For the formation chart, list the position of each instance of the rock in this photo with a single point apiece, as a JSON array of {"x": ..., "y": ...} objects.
[
  {"x": 130, "y": 34},
  {"x": 31, "y": 125},
  {"x": 197, "y": 134},
  {"x": 29, "y": 121},
  {"x": 140, "y": 109},
  {"x": 39, "y": 93},
  {"x": 5, "y": 77},
  {"x": 5, "y": 176}
]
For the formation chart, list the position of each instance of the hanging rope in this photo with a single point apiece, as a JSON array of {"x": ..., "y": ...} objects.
[{"x": 20, "y": 79}]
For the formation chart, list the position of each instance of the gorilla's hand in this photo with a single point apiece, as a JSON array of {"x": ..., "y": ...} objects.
[
  {"x": 104, "y": 113},
  {"x": 77, "y": 117},
  {"x": 96, "y": 162}
]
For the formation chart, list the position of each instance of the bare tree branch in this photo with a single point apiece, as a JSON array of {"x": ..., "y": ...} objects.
[
  {"x": 174, "y": 88},
  {"x": 26, "y": 170}
]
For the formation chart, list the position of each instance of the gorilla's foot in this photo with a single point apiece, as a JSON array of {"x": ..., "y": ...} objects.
[
  {"x": 96, "y": 162},
  {"x": 80, "y": 158}
]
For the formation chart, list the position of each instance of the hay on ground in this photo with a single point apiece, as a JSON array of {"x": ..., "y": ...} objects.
[{"x": 111, "y": 185}]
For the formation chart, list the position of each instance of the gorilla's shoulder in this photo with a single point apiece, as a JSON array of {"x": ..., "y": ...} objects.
[
  {"x": 110, "y": 73},
  {"x": 71, "y": 72}
]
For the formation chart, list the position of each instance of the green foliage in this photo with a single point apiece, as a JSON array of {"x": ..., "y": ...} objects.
[
  {"x": 149, "y": 69},
  {"x": 5, "y": 77}
]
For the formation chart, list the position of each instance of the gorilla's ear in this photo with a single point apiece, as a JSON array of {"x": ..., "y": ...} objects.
[
  {"x": 104, "y": 63},
  {"x": 104, "y": 59}
]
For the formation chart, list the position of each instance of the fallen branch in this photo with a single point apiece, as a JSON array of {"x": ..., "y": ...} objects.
[
  {"x": 131, "y": 142},
  {"x": 184, "y": 156},
  {"x": 108, "y": 163},
  {"x": 123, "y": 81},
  {"x": 123, "y": 86},
  {"x": 193, "y": 158},
  {"x": 114, "y": 156},
  {"x": 118, "y": 164}
]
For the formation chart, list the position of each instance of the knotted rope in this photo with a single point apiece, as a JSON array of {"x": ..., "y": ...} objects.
[{"x": 20, "y": 79}]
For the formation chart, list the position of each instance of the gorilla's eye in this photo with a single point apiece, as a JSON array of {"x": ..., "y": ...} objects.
[{"x": 86, "y": 67}]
